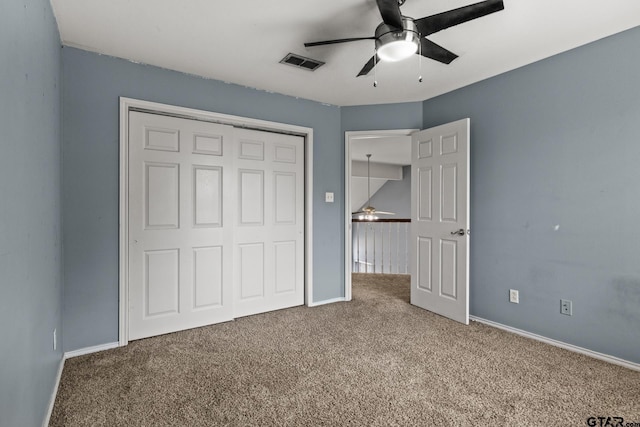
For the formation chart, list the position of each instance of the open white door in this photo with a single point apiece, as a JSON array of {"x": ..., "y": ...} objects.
[{"x": 440, "y": 220}]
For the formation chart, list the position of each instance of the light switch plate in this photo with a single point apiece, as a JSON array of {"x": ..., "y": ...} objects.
[{"x": 514, "y": 296}]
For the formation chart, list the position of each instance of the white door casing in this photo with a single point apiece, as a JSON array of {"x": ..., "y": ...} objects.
[
  {"x": 440, "y": 220},
  {"x": 269, "y": 224}
]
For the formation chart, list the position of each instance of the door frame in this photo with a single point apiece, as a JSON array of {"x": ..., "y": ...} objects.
[
  {"x": 349, "y": 138},
  {"x": 130, "y": 104}
]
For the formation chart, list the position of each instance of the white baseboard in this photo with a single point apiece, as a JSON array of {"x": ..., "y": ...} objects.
[
  {"x": 54, "y": 393},
  {"x": 327, "y": 301},
  {"x": 600, "y": 356},
  {"x": 65, "y": 356},
  {"x": 89, "y": 350}
]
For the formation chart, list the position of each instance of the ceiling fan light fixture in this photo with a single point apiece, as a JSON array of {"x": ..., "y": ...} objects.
[
  {"x": 397, "y": 50},
  {"x": 393, "y": 45}
]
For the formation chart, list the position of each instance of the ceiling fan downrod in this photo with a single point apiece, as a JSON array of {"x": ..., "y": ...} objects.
[
  {"x": 368, "y": 180},
  {"x": 369, "y": 211}
]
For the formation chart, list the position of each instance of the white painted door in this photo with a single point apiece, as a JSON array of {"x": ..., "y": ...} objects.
[
  {"x": 216, "y": 223},
  {"x": 180, "y": 224},
  {"x": 440, "y": 220},
  {"x": 269, "y": 232}
]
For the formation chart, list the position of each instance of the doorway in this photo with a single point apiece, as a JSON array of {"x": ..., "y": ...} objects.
[
  {"x": 357, "y": 145},
  {"x": 438, "y": 249}
]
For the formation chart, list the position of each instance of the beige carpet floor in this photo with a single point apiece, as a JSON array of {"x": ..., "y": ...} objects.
[{"x": 375, "y": 361}]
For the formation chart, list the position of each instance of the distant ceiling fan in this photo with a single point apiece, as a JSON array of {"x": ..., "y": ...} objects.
[
  {"x": 398, "y": 37},
  {"x": 369, "y": 213}
]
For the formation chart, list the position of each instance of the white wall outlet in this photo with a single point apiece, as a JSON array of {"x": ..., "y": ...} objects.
[
  {"x": 55, "y": 339},
  {"x": 514, "y": 296},
  {"x": 566, "y": 307},
  {"x": 328, "y": 197}
]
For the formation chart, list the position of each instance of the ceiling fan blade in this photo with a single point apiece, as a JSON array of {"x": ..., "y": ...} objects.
[
  {"x": 434, "y": 23},
  {"x": 436, "y": 52},
  {"x": 369, "y": 65},
  {"x": 336, "y": 41},
  {"x": 390, "y": 11},
  {"x": 374, "y": 212}
]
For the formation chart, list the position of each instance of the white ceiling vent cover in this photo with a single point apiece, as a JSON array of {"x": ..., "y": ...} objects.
[{"x": 301, "y": 62}]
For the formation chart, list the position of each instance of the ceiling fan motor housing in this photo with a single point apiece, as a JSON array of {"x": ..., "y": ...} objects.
[{"x": 393, "y": 44}]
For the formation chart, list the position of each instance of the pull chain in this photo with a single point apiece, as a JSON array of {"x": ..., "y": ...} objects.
[
  {"x": 420, "y": 60},
  {"x": 375, "y": 66}
]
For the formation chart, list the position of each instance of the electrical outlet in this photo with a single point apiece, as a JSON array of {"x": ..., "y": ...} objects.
[
  {"x": 514, "y": 296},
  {"x": 328, "y": 197},
  {"x": 55, "y": 339},
  {"x": 566, "y": 307}
]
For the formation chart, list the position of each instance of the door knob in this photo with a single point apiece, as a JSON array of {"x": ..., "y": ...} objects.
[{"x": 459, "y": 232}]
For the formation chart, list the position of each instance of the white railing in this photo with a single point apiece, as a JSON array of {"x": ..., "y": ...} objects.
[{"x": 380, "y": 246}]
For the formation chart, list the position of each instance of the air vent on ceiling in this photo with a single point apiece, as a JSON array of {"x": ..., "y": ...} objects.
[{"x": 301, "y": 62}]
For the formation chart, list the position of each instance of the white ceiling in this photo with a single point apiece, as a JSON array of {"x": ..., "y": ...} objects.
[{"x": 242, "y": 41}]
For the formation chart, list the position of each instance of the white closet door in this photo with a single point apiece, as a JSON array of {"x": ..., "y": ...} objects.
[
  {"x": 269, "y": 232},
  {"x": 181, "y": 207}
]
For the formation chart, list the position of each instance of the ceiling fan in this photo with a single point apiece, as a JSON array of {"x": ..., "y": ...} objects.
[
  {"x": 369, "y": 213},
  {"x": 398, "y": 37}
]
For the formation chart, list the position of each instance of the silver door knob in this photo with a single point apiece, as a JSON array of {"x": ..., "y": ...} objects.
[{"x": 459, "y": 232}]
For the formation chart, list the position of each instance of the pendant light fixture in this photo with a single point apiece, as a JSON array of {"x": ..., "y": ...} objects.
[{"x": 369, "y": 213}]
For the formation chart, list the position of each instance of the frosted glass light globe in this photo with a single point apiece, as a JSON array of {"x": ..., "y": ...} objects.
[{"x": 397, "y": 50}]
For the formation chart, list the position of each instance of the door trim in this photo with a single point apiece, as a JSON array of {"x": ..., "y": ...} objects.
[
  {"x": 129, "y": 104},
  {"x": 350, "y": 137}
]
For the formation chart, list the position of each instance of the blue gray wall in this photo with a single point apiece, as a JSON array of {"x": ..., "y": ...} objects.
[
  {"x": 555, "y": 195},
  {"x": 552, "y": 145},
  {"x": 395, "y": 196},
  {"x": 92, "y": 86},
  {"x": 30, "y": 206}
]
